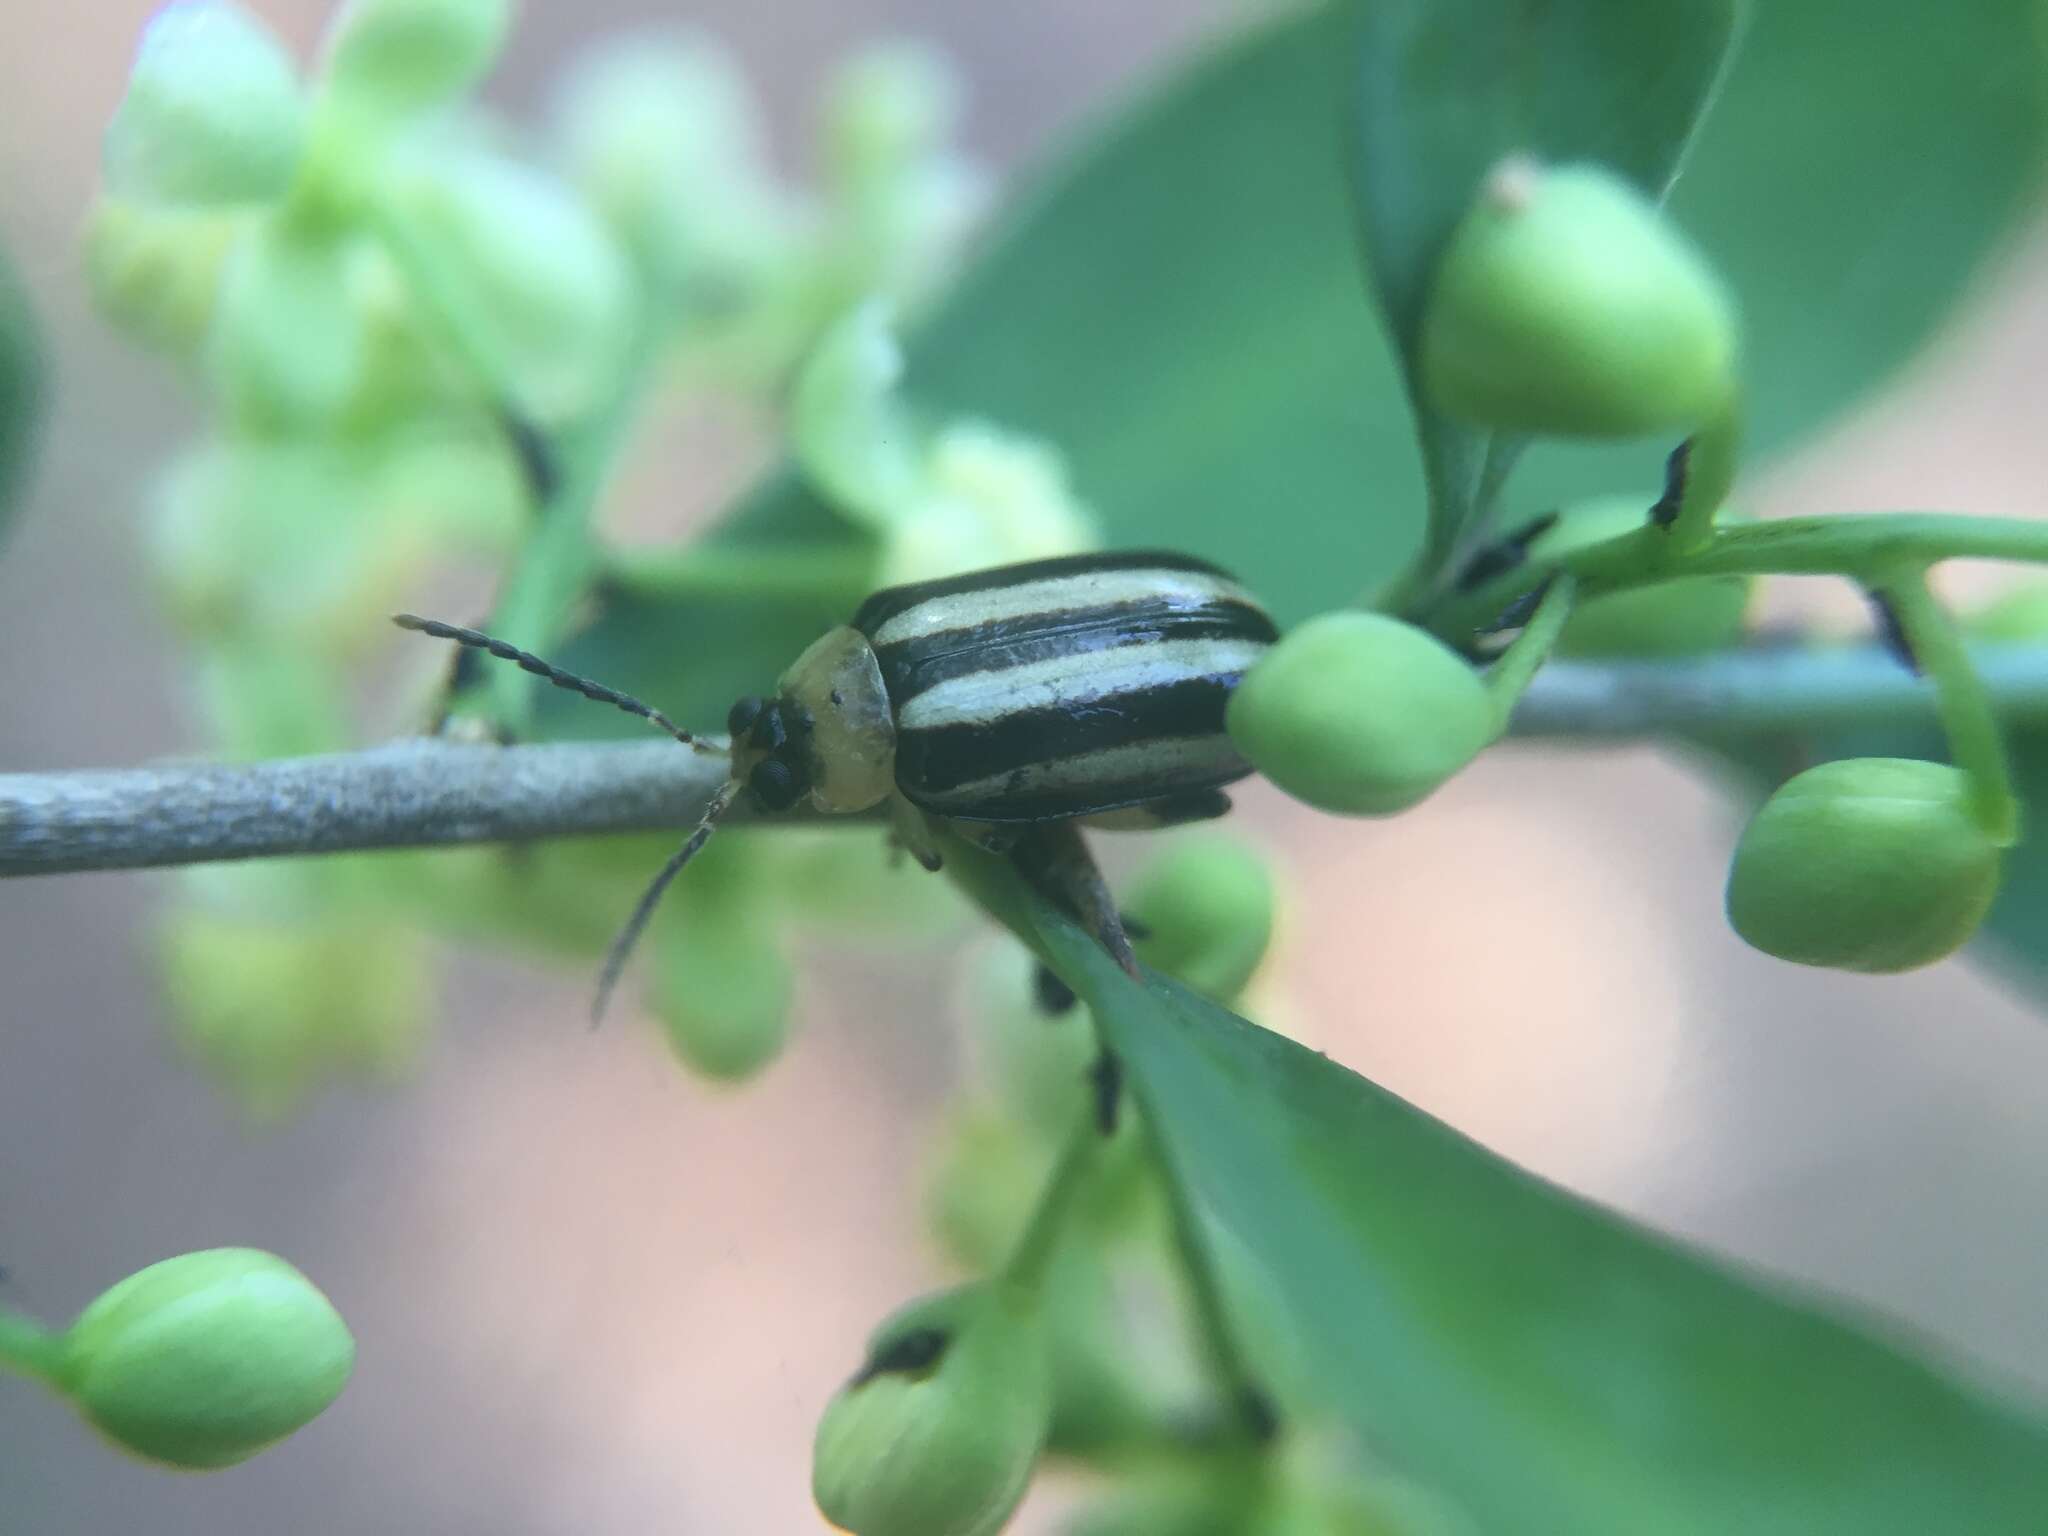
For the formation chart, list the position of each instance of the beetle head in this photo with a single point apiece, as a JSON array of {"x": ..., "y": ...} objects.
[
  {"x": 771, "y": 750},
  {"x": 828, "y": 734}
]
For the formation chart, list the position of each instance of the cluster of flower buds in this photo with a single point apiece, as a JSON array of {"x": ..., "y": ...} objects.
[
  {"x": 1566, "y": 304},
  {"x": 941, "y": 497},
  {"x": 399, "y": 309}
]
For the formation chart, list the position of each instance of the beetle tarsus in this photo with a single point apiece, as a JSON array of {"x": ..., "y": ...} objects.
[{"x": 1107, "y": 1078}]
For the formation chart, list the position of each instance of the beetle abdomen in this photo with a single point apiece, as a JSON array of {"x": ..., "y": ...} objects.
[{"x": 1064, "y": 687}]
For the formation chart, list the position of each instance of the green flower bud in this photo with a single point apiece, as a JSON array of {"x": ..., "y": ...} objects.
[
  {"x": 903, "y": 198},
  {"x": 1866, "y": 864},
  {"x": 203, "y": 1360},
  {"x": 1207, "y": 903},
  {"x": 889, "y": 105},
  {"x": 1566, "y": 303},
  {"x": 721, "y": 983},
  {"x": 939, "y": 1431},
  {"x": 990, "y": 497},
  {"x": 722, "y": 987},
  {"x": 852, "y": 436},
  {"x": 285, "y": 540},
  {"x": 154, "y": 272},
  {"x": 287, "y": 343},
  {"x": 279, "y": 991},
  {"x": 213, "y": 114},
  {"x": 1361, "y": 714},
  {"x": 390, "y": 59},
  {"x": 664, "y": 135},
  {"x": 1675, "y": 618},
  {"x": 547, "y": 278}
]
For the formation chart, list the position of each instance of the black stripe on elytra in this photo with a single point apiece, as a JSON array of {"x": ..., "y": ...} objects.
[
  {"x": 933, "y": 759},
  {"x": 1205, "y": 775},
  {"x": 891, "y": 601},
  {"x": 912, "y": 666}
]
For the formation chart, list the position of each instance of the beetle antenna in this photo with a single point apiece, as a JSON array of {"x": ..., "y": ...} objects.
[
  {"x": 622, "y": 946},
  {"x": 477, "y": 640}
]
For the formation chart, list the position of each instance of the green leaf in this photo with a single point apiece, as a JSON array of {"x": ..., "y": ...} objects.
[
  {"x": 1446, "y": 88},
  {"x": 1537, "y": 1360},
  {"x": 1178, "y": 305}
]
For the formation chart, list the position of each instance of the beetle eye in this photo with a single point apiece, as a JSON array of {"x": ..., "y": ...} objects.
[
  {"x": 774, "y": 784},
  {"x": 768, "y": 732},
  {"x": 743, "y": 715}
]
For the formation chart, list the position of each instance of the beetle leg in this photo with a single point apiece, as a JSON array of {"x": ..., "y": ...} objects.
[
  {"x": 913, "y": 833},
  {"x": 1053, "y": 857}
]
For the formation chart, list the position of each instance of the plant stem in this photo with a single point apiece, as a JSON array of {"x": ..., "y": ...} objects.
[
  {"x": 29, "y": 1349},
  {"x": 1031, "y": 1261},
  {"x": 427, "y": 793},
  {"x": 1236, "y": 1380},
  {"x": 448, "y": 307},
  {"x": 1518, "y": 664},
  {"x": 1450, "y": 471},
  {"x": 1866, "y": 547},
  {"x": 1967, "y": 717},
  {"x": 558, "y": 561}
]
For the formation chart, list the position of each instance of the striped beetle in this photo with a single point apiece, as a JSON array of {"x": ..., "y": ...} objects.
[{"x": 1012, "y": 705}]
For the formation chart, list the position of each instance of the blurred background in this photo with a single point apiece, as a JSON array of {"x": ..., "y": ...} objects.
[{"x": 592, "y": 1294}]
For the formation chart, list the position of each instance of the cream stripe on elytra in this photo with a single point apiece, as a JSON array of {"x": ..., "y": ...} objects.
[
  {"x": 1062, "y": 681},
  {"x": 1084, "y": 589}
]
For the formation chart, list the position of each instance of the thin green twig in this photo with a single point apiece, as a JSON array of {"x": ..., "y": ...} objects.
[
  {"x": 1968, "y": 718},
  {"x": 1865, "y": 547},
  {"x": 1031, "y": 1261},
  {"x": 558, "y": 563},
  {"x": 1517, "y": 667},
  {"x": 30, "y": 1349}
]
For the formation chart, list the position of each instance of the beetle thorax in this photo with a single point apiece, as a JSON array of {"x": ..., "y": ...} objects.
[{"x": 828, "y": 733}]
